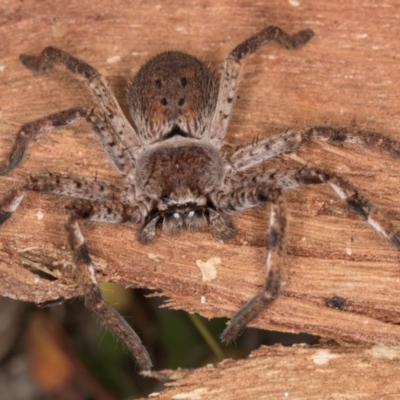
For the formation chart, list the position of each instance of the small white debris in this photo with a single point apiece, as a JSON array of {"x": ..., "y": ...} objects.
[
  {"x": 154, "y": 394},
  {"x": 113, "y": 59},
  {"x": 207, "y": 268},
  {"x": 381, "y": 351},
  {"x": 271, "y": 57},
  {"x": 2, "y": 68},
  {"x": 203, "y": 300},
  {"x": 194, "y": 394},
  {"x": 39, "y": 215},
  {"x": 294, "y": 3},
  {"x": 303, "y": 239},
  {"x": 322, "y": 357},
  {"x": 286, "y": 394},
  {"x": 348, "y": 251},
  {"x": 37, "y": 279},
  {"x": 153, "y": 257},
  {"x": 182, "y": 29},
  {"x": 361, "y": 36}
]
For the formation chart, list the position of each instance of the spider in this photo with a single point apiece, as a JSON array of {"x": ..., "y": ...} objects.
[{"x": 176, "y": 176}]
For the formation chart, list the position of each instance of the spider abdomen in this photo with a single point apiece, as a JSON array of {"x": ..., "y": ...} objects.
[{"x": 173, "y": 89}]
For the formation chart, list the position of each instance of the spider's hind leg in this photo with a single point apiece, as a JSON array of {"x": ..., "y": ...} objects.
[
  {"x": 122, "y": 131},
  {"x": 231, "y": 69}
]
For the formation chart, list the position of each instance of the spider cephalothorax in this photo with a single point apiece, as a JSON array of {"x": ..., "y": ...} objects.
[
  {"x": 176, "y": 175},
  {"x": 176, "y": 195}
]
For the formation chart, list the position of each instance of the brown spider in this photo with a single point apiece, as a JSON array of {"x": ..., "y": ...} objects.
[{"x": 175, "y": 174}]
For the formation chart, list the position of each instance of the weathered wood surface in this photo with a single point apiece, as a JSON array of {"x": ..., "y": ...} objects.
[
  {"x": 347, "y": 75},
  {"x": 294, "y": 373}
]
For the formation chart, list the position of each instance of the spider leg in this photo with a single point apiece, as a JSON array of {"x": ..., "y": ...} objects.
[
  {"x": 99, "y": 88},
  {"x": 232, "y": 67},
  {"x": 248, "y": 196},
  {"x": 290, "y": 178},
  {"x": 81, "y": 188},
  {"x": 293, "y": 139},
  {"x": 102, "y": 211},
  {"x": 35, "y": 128},
  {"x": 115, "y": 149},
  {"x": 115, "y": 213},
  {"x": 255, "y": 189}
]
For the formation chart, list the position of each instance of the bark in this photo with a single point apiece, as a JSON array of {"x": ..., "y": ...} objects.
[
  {"x": 346, "y": 76},
  {"x": 295, "y": 373}
]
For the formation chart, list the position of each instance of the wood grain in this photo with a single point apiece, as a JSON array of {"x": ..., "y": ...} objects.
[
  {"x": 309, "y": 373},
  {"x": 347, "y": 75}
]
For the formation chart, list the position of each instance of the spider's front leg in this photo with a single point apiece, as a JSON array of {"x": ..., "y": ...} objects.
[
  {"x": 245, "y": 197},
  {"x": 105, "y": 212},
  {"x": 231, "y": 69},
  {"x": 109, "y": 209}
]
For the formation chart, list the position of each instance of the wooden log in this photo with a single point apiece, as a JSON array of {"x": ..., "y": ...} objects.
[
  {"x": 348, "y": 75},
  {"x": 294, "y": 373}
]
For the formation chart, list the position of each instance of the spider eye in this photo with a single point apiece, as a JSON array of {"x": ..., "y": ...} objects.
[
  {"x": 158, "y": 83},
  {"x": 183, "y": 82},
  {"x": 176, "y": 215},
  {"x": 164, "y": 101},
  {"x": 191, "y": 214}
]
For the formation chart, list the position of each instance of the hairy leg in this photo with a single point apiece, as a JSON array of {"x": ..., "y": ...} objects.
[
  {"x": 102, "y": 211},
  {"x": 290, "y": 178},
  {"x": 99, "y": 88},
  {"x": 122, "y": 160},
  {"x": 98, "y": 190},
  {"x": 86, "y": 275},
  {"x": 292, "y": 139},
  {"x": 255, "y": 189},
  {"x": 35, "y": 128},
  {"x": 245, "y": 197},
  {"x": 231, "y": 69}
]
